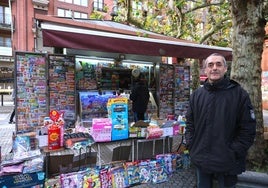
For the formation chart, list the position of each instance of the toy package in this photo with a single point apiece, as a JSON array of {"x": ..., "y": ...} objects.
[
  {"x": 91, "y": 179},
  {"x": 101, "y": 129},
  {"x": 34, "y": 165},
  {"x": 169, "y": 160},
  {"x": 119, "y": 177},
  {"x": 144, "y": 170},
  {"x": 21, "y": 144},
  {"x": 172, "y": 161},
  {"x": 106, "y": 177},
  {"x": 133, "y": 174},
  {"x": 158, "y": 173},
  {"x": 71, "y": 180},
  {"x": 118, "y": 112}
]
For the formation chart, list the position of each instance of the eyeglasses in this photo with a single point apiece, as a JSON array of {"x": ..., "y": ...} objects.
[{"x": 218, "y": 65}]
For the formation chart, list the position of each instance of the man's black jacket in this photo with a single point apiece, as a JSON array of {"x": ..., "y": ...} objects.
[
  {"x": 140, "y": 97},
  {"x": 220, "y": 127}
]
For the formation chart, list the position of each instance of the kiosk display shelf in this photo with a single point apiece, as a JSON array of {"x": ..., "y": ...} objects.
[{"x": 41, "y": 88}]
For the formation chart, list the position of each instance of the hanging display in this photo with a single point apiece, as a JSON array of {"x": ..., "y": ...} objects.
[
  {"x": 61, "y": 76},
  {"x": 31, "y": 90},
  {"x": 166, "y": 87},
  {"x": 181, "y": 89},
  {"x": 174, "y": 90}
]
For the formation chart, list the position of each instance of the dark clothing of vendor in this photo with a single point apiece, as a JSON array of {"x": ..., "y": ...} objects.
[{"x": 140, "y": 98}]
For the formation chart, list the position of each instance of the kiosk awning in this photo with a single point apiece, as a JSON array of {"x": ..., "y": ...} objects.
[{"x": 56, "y": 35}]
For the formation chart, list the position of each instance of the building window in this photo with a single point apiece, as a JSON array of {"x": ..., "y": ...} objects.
[
  {"x": 98, "y": 5},
  {"x": 80, "y": 15},
  {"x": 5, "y": 41},
  {"x": 81, "y": 2},
  {"x": 77, "y": 2},
  {"x": 67, "y": 1},
  {"x": 5, "y": 15},
  {"x": 64, "y": 13}
]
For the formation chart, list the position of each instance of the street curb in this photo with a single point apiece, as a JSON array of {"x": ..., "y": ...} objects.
[{"x": 253, "y": 179}]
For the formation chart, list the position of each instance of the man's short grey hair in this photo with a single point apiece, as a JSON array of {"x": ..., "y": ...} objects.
[{"x": 216, "y": 54}]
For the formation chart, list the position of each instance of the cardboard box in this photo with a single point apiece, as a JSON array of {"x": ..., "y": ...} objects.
[
  {"x": 265, "y": 129},
  {"x": 66, "y": 161},
  {"x": 141, "y": 123},
  {"x": 59, "y": 164}
]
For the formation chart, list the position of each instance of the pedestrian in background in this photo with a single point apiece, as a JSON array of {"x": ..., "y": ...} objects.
[
  {"x": 220, "y": 126},
  {"x": 11, "y": 121},
  {"x": 140, "y": 98}
]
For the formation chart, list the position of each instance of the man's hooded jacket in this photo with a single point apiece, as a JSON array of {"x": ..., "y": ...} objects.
[{"x": 220, "y": 127}]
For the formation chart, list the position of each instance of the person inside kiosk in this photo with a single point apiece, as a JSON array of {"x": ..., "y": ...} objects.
[{"x": 140, "y": 98}]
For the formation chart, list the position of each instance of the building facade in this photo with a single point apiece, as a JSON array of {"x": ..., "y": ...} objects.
[
  {"x": 18, "y": 25},
  {"x": 18, "y": 30},
  {"x": 6, "y": 58}
]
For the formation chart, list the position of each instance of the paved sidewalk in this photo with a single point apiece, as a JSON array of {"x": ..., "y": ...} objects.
[{"x": 6, "y": 130}]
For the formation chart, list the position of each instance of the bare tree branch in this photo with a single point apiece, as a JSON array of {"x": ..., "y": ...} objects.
[
  {"x": 206, "y": 4},
  {"x": 220, "y": 25}
]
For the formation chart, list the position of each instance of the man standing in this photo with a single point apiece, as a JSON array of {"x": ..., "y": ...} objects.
[
  {"x": 220, "y": 126},
  {"x": 140, "y": 98}
]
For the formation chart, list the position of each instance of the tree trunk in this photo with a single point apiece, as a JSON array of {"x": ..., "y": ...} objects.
[
  {"x": 195, "y": 74},
  {"x": 248, "y": 36}
]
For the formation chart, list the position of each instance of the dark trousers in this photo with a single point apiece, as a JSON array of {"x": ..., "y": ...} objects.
[
  {"x": 138, "y": 116},
  {"x": 205, "y": 180},
  {"x": 12, "y": 116}
]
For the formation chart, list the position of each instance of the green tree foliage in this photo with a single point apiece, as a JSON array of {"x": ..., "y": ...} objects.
[{"x": 200, "y": 21}]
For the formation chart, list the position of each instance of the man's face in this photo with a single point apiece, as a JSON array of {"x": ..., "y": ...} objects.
[{"x": 215, "y": 68}]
